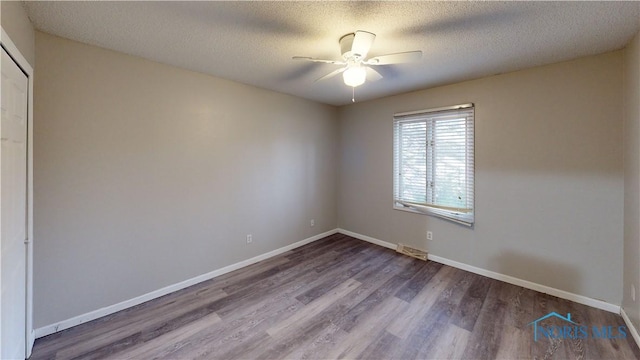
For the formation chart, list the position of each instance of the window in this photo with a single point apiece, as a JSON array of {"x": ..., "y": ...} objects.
[{"x": 433, "y": 167}]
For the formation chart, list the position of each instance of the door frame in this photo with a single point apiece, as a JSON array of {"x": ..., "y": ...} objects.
[{"x": 12, "y": 50}]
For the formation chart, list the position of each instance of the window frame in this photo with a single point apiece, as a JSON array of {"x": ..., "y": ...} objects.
[{"x": 428, "y": 207}]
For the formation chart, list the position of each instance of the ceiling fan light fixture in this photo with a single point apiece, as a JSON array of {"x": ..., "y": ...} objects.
[
  {"x": 357, "y": 67},
  {"x": 354, "y": 76}
]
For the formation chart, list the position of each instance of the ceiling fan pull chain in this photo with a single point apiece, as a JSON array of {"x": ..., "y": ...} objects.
[{"x": 353, "y": 94}]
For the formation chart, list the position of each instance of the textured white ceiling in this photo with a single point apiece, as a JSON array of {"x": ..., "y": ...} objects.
[{"x": 253, "y": 42}]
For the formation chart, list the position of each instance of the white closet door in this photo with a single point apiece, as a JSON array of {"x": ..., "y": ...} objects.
[{"x": 13, "y": 196}]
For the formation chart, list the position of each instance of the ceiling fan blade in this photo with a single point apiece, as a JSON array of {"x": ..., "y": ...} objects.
[
  {"x": 362, "y": 43},
  {"x": 332, "y": 74},
  {"x": 373, "y": 74},
  {"x": 336, "y": 62},
  {"x": 398, "y": 58}
]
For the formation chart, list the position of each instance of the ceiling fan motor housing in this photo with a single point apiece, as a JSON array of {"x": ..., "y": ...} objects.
[{"x": 354, "y": 48}]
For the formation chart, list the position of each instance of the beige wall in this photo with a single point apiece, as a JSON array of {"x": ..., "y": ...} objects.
[
  {"x": 147, "y": 175},
  {"x": 15, "y": 22},
  {"x": 632, "y": 179},
  {"x": 549, "y": 176}
]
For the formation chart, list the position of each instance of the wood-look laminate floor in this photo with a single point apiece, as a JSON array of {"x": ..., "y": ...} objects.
[{"x": 340, "y": 298}]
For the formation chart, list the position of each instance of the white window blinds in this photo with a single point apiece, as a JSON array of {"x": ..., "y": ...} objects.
[{"x": 433, "y": 162}]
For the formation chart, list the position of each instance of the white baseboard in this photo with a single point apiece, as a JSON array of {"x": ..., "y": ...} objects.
[
  {"x": 368, "y": 239},
  {"x": 630, "y": 326},
  {"x": 580, "y": 299},
  {"x": 80, "y": 319},
  {"x": 31, "y": 339}
]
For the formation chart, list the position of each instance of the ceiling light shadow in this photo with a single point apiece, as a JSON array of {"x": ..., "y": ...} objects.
[{"x": 471, "y": 22}]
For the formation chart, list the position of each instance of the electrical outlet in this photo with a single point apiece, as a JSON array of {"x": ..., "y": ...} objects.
[
  {"x": 249, "y": 239},
  {"x": 633, "y": 292},
  {"x": 313, "y": 223},
  {"x": 429, "y": 235}
]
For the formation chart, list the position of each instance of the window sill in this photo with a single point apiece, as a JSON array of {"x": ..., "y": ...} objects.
[{"x": 434, "y": 213}]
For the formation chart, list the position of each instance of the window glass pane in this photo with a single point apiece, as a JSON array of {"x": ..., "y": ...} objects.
[
  {"x": 450, "y": 164},
  {"x": 433, "y": 163},
  {"x": 413, "y": 169}
]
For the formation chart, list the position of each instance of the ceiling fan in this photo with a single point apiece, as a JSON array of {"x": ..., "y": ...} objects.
[{"x": 354, "y": 48}]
